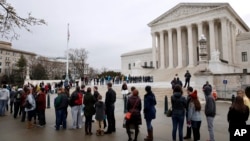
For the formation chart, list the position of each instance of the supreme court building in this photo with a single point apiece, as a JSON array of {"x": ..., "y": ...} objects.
[{"x": 176, "y": 34}]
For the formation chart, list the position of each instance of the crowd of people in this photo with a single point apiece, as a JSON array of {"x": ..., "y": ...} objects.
[{"x": 30, "y": 102}]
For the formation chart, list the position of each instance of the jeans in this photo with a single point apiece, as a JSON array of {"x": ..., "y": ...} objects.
[
  {"x": 196, "y": 129},
  {"x": 76, "y": 116},
  {"x": 61, "y": 118},
  {"x": 148, "y": 123},
  {"x": 210, "y": 124},
  {"x": 178, "y": 122},
  {"x": 3, "y": 104}
]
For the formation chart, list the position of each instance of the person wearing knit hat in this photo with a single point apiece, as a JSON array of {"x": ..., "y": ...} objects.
[{"x": 194, "y": 115}]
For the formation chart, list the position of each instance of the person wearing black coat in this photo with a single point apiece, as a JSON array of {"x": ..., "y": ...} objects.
[
  {"x": 237, "y": 115},
  {"x": 110, "y": 108},
  {"x": 134, "y": 106}
]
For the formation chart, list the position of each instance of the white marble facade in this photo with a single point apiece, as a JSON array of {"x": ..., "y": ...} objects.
[
  {"x": 175, "y": 33},
  {"x": 175, "y": 36}
]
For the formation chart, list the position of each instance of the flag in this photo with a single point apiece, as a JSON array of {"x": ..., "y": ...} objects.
[{"x": 68, "y": 33}]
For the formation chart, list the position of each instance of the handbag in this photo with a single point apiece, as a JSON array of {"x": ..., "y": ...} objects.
[
  {"x": 169, "y": 112},
  {"x": 128, "y": 114}
]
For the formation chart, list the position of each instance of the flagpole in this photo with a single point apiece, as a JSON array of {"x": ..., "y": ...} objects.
[{"x": 67, "y": 52}]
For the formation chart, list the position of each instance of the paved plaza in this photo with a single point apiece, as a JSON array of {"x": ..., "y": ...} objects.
[{"x": 12, "y": 129}]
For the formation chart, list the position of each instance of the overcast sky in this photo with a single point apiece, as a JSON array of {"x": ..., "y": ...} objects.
[{"x": 105, "y": 28}]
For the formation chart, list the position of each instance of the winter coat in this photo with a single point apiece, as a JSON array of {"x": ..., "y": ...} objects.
[
  {"x": 89, "y": 102},
  {"x": 210, "y": 106},
  {"x": 149, "y": 106},
  {"x": 134, "y": 106},
  {"x": 237, "y": 118},
  {"x": 110, "y": 98},
  {"x": 30, "y": 98},
  {"x": 61, "y": 101},
  {"x": 179, "y": 104},
  {"x": 41, "y": 101},
  {"x": 192, "y": 113},
  {"x": 100, "y": 110}
]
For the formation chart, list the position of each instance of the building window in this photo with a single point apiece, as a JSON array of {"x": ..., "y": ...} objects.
[
  {"x": 1, "y": 51},
  {"x": 151, "y": 63},
  {"x": 0, "y": 57},
  {"x": 133, "y": 64},
  {"x": 244, "y": 56},
  {"x": 145, "y": 64},
  {"x": 0, "y": 63},
  {"x": 129, "y": 66},
  {"x": 0, "y": 70}
]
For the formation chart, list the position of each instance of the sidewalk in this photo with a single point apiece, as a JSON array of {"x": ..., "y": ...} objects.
[{"x": 13, "y": 130}]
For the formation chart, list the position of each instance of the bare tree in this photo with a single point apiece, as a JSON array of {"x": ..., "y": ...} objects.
[
  {"x": 78, "y": 58},
  {"x": 9, "y": 20}
]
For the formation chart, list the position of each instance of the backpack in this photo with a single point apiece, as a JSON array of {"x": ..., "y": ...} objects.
[
  {"x": 79, "y": 100},
  {"x": 17, "y": 97}
]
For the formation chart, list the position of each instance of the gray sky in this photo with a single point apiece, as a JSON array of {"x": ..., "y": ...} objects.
[{"x": 105, "y": 28}]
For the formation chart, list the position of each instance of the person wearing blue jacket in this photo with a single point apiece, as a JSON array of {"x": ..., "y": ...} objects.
[{"x": 149, "y": 111}]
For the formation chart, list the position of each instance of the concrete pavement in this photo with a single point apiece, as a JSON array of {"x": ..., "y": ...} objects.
[{"x": 12, "y": 129}]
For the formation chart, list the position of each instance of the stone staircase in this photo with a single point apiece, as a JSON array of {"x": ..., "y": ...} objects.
[{"x": 168, "y": 74}]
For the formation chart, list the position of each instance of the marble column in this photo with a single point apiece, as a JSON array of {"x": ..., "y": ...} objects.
[
  {"x": 190, "y": 47},
  {"x": 170, "y": 48},
  {"x": 179, "y": 47},
  {"x": 162, "y": 60},
  {"x": 154, "y": 49},
  {"x": 211, "y": 37},
  {"x": 224, "y": 38},
  {"x": 200, "y": 30}
]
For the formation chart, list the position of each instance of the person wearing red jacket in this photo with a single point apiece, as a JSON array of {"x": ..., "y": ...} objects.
[{"x": 41, "y": 105}]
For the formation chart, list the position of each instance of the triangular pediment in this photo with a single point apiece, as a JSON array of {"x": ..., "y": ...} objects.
[{"x": 185, "y": 9}]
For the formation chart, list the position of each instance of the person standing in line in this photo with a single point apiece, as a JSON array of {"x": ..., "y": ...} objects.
[
  {"x": 237, "y": 115},
  {"x": 12, "y": 94},
  {"x": 89, "y": 111},
  {"x": 76, "y": 99},
  {"x": 194, "y": 115},
  {"x": 134, "y": 106},
  {"x": 179, "y": 105},
  {"x": 41, "y": 106},
  {"x": 17, "y": 102},
  {"x": 149, "y": 111},
  {"x": 110, "y": 108},
  {"x": 210, "y": 111},
  {"x": 189, "y": 128},
  {"x": 96, "y": 93},
  {"x": 100, "y": 115},
  {"x": 61, "y": 105},
  {"x": 23, "y": 99},
  {"x": 4, "y": 97},
  {"x": 187, "y": 79},
  {"x": 124, "y": 94},
  {"x": 30, "y": 106},
  {"x": 247, "y": 96}
]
